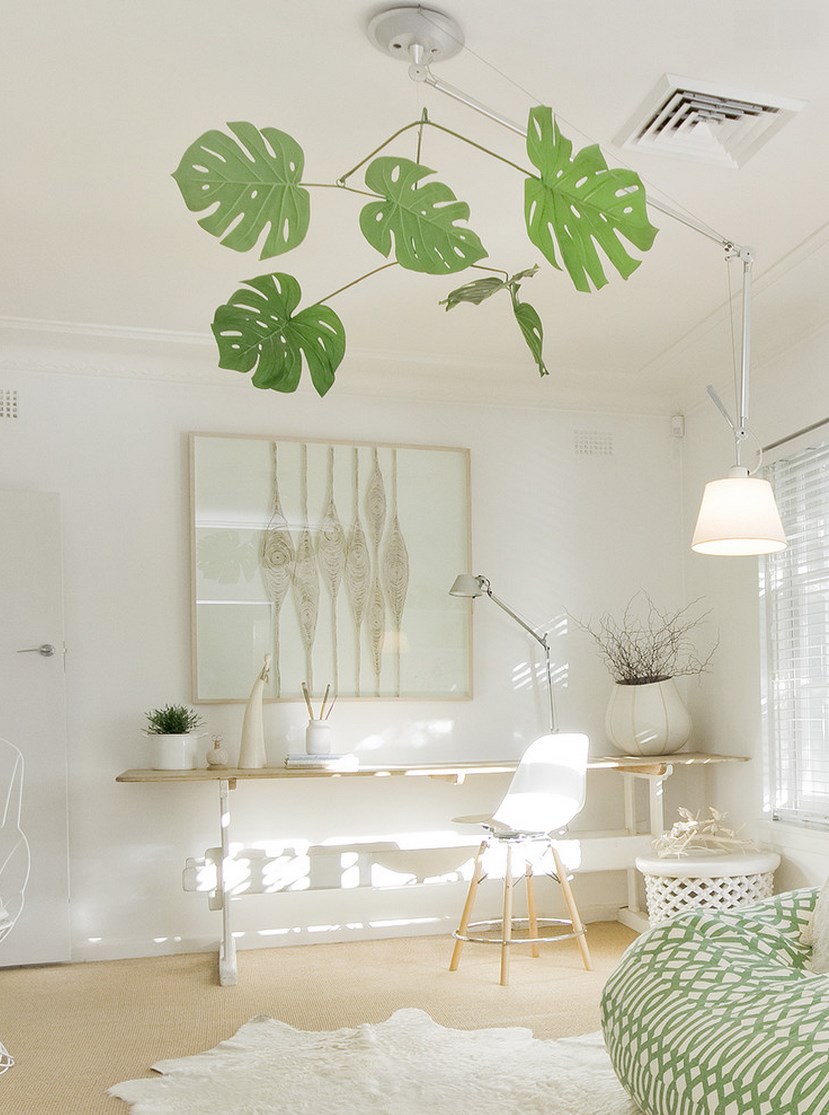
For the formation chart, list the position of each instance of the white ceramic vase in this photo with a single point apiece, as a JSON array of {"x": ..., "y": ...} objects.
[
  {"x": 168, "y": 752},
  {"x": 647, "y": 719},
  {"x": 318, "y": 737}
]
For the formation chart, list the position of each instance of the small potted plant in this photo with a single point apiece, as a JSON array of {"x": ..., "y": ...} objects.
[
  {"x": 172, "y": 731},
  {"x": 644, "y": 651}
]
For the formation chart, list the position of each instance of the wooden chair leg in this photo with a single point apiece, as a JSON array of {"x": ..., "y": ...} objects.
[
  {"x": 477, "y": 875},
  {"x": 531, "y": 911},
  {"x": 570, "y": 902},
  {"x": 506, "y": 928}
]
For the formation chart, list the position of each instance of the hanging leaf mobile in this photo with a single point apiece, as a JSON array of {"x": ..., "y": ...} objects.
[{"x": 251, "y": 181}]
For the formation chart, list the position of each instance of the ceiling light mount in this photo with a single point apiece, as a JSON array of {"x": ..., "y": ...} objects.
[{"x": 416, "y": 35}]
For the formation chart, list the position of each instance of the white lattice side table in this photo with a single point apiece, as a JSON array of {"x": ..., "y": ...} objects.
[{"x": 675, "y": 885}]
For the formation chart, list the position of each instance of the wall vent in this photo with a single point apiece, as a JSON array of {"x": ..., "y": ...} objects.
[
  {"x": 8, "y": 404},
  {"x": 592, "y": 443},
  {"x": 710, "y": 123}
]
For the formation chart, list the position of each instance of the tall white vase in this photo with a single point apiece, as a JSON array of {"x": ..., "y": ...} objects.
[
  {"x": 252, "y": 750},
  {"x": 647, "y": 719}
]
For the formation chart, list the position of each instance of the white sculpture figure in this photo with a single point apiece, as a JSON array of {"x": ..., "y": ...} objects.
[
  {"x": 15, "y": 859},
  {"x": 252, "y": 752}
]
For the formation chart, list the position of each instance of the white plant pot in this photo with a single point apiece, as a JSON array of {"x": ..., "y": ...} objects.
[
  {"x": 173, "y": 752},
  {"x": 647, "y": 719}
]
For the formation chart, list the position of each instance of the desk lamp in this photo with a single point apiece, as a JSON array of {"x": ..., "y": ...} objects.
[{"x": 471, "y": 586}]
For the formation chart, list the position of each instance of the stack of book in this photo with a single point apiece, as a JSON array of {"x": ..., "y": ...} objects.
[{"x": 326, "y": 762}]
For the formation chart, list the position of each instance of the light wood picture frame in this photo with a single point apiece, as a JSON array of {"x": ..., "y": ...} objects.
[{"x": 336, "y": 559}]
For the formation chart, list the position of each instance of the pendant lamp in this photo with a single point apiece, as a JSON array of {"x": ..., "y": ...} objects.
[{"x": 738, "y": 515}]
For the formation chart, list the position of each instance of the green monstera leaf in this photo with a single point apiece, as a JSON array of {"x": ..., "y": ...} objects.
[
  {"x": 254, "y": 183},
  {"x": 531, "y": 330},
  {"x": 258, "y": 328},
  {"x": 579, "y": 203},
  {"x": 475, "y": 292},
  {"x": 528, "y": 320},
  {"x": 419, "y": 223},
  {"x": 479, "y": 290}
]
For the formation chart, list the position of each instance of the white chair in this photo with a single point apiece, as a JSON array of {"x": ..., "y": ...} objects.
[{"x": 545, "y": 794}]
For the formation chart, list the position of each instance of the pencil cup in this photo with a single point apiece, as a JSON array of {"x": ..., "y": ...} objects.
[{"x": 318, "y": 737}]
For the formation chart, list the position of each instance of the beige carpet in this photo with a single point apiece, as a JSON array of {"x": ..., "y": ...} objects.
[{"x": 76, "y": 1029}]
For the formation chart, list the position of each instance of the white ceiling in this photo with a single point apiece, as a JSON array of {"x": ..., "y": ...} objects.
[{"x": 102, "y": 98}]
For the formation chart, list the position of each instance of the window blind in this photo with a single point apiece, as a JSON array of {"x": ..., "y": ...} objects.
[{"x": 794, "y": 590}]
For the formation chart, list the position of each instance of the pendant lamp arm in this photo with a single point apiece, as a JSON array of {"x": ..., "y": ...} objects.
[
  {"x": 420, "y": 72},
  {"x": 747, "y": 259},
  {"x": 740, "y": 427}
]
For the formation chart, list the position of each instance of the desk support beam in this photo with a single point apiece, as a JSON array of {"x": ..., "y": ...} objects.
[
  {"x": 633, "y": 916},
  {"x": 228, "y": 971}
]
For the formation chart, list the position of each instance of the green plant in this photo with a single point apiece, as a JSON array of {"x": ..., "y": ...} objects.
[
  {"x": 647, "y": 644},
  {"x": 528, "y": 320},
  {"x": 172, "y": 720},
  {"x": 251, "y": 183}
]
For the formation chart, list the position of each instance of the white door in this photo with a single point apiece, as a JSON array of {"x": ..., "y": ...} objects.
[{"x": 34, "y": 857}]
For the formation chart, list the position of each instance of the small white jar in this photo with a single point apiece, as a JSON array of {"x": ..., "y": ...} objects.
[{"x": 318, "y": 737}]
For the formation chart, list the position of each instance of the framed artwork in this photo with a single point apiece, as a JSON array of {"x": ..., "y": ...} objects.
[{"x": 334, "y": 558}]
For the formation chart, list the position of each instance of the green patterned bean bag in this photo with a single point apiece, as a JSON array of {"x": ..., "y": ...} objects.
[{"x": 715, "y": 1014}]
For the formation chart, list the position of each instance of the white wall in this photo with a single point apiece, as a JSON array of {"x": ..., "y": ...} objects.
[
  {"x": 553, "y": 530},
  {"x": 785, "y": 397}
]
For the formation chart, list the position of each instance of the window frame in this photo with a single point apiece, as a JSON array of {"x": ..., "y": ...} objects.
[{"x": 794, "y": 610}]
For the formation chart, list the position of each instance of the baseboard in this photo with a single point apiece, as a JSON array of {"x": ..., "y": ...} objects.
[
  {"x": 633, "y": 919},
  {"x": 412, "y": 926}
]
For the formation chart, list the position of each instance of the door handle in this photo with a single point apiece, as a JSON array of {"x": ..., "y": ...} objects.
[{"x": 46, "y": 649}]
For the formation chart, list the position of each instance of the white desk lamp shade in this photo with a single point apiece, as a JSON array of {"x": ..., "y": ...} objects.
[
  {"x": 547, "y": 790},
  {"x": 738, "y": 516},
  {"x": 466, "y": 584}
]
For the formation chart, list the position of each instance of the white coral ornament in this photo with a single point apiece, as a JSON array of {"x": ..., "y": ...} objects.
[{"x": 694, "y": 835}]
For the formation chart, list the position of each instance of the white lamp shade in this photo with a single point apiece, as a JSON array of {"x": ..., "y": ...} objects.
[
  {"x": 738, "y": 516},
  {"x": 466, "y": 584}
]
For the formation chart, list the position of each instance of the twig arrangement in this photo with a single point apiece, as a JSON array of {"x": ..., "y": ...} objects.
[
  {"x": 694, "y": 835},
  {"x": 648, "y": 644}
]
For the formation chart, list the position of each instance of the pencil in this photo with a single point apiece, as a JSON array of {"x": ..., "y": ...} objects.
[
  {"x": 307, "y": 700},
  {"x": 324, "y": 699}
]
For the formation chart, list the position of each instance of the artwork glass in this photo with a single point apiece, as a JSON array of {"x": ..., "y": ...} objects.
[{"x": 334, "y": 558}]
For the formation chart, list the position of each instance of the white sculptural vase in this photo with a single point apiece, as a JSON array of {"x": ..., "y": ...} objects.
[
  {"x": 252, "y": 753},
  {"x": 647, "y": 719}
]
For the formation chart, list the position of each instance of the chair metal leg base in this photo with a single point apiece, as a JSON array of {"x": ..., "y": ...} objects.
[
  {"x": 518, "y": 923},
  {"x": 503, "y": 928}
]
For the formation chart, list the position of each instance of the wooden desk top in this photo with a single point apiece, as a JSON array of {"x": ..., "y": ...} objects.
[{"x": 453, "y": 772}]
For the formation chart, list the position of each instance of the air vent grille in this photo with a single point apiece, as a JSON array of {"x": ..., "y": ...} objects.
[
  {"x": 8, "y": 404},
  {"x": 697, "y": 120},
  {"x": 592, "y": 443}
]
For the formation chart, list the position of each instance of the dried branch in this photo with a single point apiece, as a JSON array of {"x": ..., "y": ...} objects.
[{"x": 648, "y": 644}]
